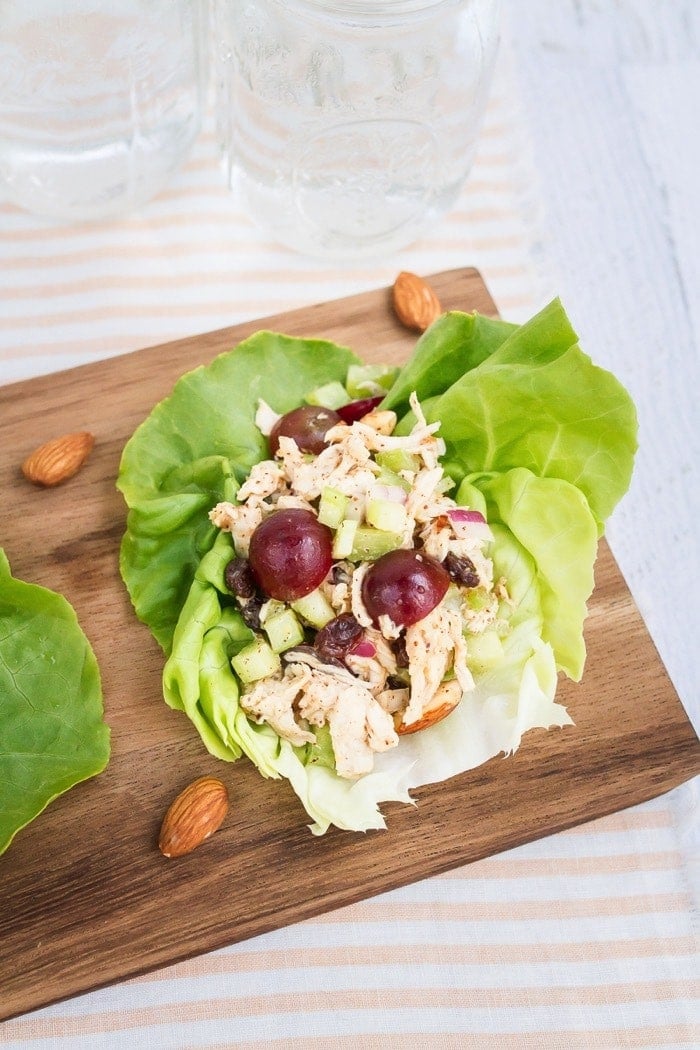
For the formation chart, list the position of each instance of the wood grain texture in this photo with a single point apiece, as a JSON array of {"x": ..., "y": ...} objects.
[{"x": 86, "y": 899}]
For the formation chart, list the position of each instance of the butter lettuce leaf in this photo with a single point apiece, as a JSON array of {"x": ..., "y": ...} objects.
[
  {"x": 194, "y": 449},
  {"x": 452, "y": 346},
  {"x": 538, "y": 402},
  {"x": 52, "y": 732},
  {"x": 538, "y": 438},
  {"x": 552, "y": 521}
]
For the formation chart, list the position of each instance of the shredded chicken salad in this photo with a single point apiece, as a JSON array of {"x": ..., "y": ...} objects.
[
  {"x": 370, "y": 674},
  {"x": 329, "y": 606}
]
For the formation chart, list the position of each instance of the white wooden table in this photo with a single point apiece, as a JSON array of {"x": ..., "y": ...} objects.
[{"x": 612, "y": 95}]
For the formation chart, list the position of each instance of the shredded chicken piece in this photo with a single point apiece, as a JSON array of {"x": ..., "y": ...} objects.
[
  {"x": 369, "y": 671},
  {"x": 241, "y": 520},
  {"x": 265, "y": 418},
  {"x": 384, "y": 653},
  {"x": 501, "y": 591},
  {"x": 271, "y": 700},
  {"x": 358, "y": 725},
  {"x": 425, "y": 501},
  {"x": 306, "y": 656},
  {"x": 433, "y": 644},
  {"x": 359, "y": 610},
  {"x": 336, "y": 587},
  {"x": 221, "y": 515},
  {"x": 286, "y": 501},
  {"x": 265, "y": 478},
  {"x": 477, "y": 621},
  {"x": 374, "y": 670},
  {"x": 428, "y": 447},
  {"x": 387, "y": 626},
  {"x": 346, "y": 466},
  {"x": 421, "y": 440},
  {"x": 437, "y": 538},
  {"x": 338, "y": 594}
]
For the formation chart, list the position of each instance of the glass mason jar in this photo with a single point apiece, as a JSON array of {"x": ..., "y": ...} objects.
[
  {"x": 99, "y": 101},
  {"x": 350, "y": 125}
]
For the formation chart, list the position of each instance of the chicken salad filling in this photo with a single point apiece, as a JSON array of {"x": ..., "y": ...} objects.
[{"x": 366, "y": 586}]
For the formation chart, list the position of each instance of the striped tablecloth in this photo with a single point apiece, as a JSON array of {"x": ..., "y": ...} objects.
[{"x": 586, "y": 939}]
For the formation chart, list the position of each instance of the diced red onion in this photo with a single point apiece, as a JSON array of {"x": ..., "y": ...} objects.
[
  {"x": 392, "y": 493},
  {"x": 460, "y": 514},
  {"x": 364, "y": 648}
]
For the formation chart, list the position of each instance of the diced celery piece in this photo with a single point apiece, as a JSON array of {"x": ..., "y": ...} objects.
[
  {"x": 371, "y": 543},
  {"x": 283, "y": 631},
  {"x": 332, "y": 507},
  {"x": 477, "y": 598},
  {"x": 314, "y": 608},
  {"x": 369, "y": 380},
  {"x": 255, "y": 661},
  {"x": 270, "y": 609},
  {"x": 386, "y": 515},
  {"x": 398, "y": 459},
  {"x": 344, "y": 538},
  {"x": 356, "y": 508},
  {"x": 484, "y": 651},
  {"x": 330, "y": 395}
]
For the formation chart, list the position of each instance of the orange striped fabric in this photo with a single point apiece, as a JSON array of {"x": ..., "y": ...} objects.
[{"x": 583, "y": 940}]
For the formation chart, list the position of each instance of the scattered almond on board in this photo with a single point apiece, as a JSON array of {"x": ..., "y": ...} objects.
[
  {"x": 193, "y": 816},
  {"x": 59, "y": 459},
  {"x": 415, "y": 303}
]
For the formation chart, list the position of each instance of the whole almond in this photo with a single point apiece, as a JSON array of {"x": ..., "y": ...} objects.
[
  {"x": 58, "y": 459},
  {"x": 193, "y": 816},
  {"x": 443, "y": 703},
  {"x": 415, "y": 303}
]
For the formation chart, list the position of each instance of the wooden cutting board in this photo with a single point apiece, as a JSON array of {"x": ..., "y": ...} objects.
[{"x": 86, "y": 899}]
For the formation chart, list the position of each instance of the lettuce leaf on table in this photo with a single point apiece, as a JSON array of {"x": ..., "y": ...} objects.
[
  {"x": 52, "y": 733},
  {"x": 538, "y": 438}
]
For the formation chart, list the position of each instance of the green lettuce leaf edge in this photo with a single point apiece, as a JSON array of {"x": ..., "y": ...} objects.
[{"x": 52, "y": 732}]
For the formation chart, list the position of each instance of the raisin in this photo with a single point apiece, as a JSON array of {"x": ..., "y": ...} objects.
[
  {"x": 461, "y": 570},
  {"x": 400, "y": 651},
  {"x": 250, "y": 611},
  {"x": 336, "y": 639},
  {"x": 238, "y": 577},
  {"x": 340, "y": 574}
]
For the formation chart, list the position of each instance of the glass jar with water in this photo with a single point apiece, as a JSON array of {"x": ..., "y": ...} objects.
[
  {"x": 100, "y": 101},
  {"x": 350, "y": 125}
]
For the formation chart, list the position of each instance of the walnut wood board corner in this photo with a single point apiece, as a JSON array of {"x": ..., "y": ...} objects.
[{"x": 85, "y": 897}]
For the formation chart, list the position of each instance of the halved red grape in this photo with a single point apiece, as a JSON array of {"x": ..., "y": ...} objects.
[
  {"x": 404, "y": 585},
  {"x": 290, "y": 553},
  {"x": 355, "y": 410},
  {"x": 306, "y": 426}
]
